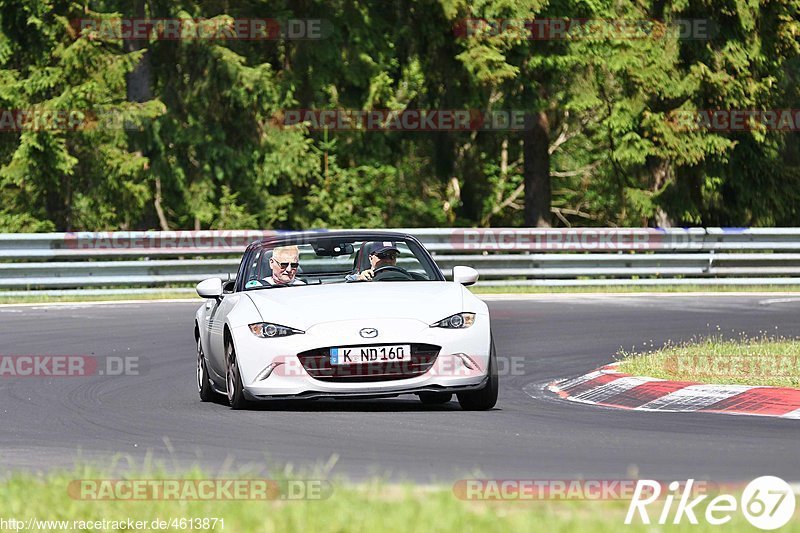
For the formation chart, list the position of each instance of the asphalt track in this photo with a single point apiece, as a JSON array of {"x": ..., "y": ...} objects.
[{"x": 156, "y": 416}]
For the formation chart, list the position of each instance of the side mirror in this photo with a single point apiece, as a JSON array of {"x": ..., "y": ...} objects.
[
  {"x": 210, "y": 288},
  {"x": 228, "y": 286},
  {"x": 465, "y": 275}
]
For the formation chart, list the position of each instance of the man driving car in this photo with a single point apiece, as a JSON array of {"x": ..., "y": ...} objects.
[{"x": 380, "y": 254}]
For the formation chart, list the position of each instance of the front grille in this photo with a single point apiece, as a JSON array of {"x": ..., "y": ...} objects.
[{"x": 317, "y": 363}]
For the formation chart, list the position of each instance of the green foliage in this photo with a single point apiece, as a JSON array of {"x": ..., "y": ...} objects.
[
  {"x": 369, "y": 196},
  {"x": 208, "y": 149},
  {"x": 232, "y": 215},
  {"x": 371, "y": 504},
  {"x": 764, "y": 360}
]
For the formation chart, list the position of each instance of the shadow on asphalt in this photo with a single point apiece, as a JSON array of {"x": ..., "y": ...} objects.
[{"x": 382, "y": 405}]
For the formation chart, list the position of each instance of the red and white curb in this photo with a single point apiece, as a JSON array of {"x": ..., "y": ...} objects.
[{"x": 608, "y": 387}]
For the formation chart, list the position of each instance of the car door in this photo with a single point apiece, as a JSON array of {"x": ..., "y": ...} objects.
[
  {"x": 216, "y": 316},
  {"x": 216, "y": 313}
]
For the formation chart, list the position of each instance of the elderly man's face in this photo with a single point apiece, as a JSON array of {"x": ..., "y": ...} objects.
[{"x": 284, "y": 266}]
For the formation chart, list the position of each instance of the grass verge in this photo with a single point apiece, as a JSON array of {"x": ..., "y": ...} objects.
[
  {"x": 634, "y": 289},
  {"x": 373, "y": 506},
  {"x": 762, "y": 360},
  {"x": 33, "y": 297}
]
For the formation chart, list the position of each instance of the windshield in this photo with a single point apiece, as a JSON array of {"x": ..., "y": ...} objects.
[{"x": 324, "y": 260}]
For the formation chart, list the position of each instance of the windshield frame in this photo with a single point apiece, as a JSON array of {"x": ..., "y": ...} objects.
[{"x": 307, "y": 237}]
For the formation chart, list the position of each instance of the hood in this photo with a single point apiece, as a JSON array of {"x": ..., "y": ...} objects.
[{"x": 305, "y": 306}]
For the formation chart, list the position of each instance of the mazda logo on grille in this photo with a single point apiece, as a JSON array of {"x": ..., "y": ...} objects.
[{"x": 368, "y": 333}]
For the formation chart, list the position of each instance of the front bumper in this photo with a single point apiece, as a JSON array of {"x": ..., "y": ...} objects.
[
  {"x": 271, "y": 369},
  {"x": 341, "y": 395}
]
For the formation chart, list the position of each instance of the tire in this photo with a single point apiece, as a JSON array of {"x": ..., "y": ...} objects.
[
  {"x": 233, "y": 379},
  {"x": 204, "y": 387},
  {"x": 435, "y": 398},
  {"x": 486, "y": 397}
]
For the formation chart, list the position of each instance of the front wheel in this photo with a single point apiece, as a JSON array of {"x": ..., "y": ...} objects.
[
  {"x": 486, "y": 397},
  {"x": 233, "y": 379}
]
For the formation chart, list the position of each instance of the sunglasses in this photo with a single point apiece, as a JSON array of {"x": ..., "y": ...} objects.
[
  {"x": 387, "y": 255},
  {"x": 284, "y": 266}
]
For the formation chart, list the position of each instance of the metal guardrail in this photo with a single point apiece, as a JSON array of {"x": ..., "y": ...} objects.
[{"x": 503, "y": 256}]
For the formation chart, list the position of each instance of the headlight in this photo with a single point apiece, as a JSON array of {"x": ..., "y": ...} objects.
[
  {"x": 268, "y": 330},
  {"x": 457, "y": 321}
]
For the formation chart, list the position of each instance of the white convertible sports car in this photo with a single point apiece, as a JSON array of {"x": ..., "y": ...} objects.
[{"x": 345, "y": 314}]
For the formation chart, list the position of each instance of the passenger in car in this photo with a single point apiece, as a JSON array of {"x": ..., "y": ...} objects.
[{"x": 284, "y": 264}]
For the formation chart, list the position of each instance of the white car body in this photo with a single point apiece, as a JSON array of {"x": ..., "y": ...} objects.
[{"x": 340, "y": 315}]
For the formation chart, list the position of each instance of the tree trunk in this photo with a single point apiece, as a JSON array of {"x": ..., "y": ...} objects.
[
  {"x": 536, "y": 170},
  {"x": 162, "y": 219},
  {"x": 660, "y": 171},
  {"x": 138, "y": 87},
  {"x": 138, "y": 81}
]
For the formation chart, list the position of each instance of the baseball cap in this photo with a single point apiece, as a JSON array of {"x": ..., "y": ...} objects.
[{"x": 381, "y": 247}]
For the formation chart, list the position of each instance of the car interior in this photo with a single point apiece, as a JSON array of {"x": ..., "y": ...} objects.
[{"x": 328, "y": 261}]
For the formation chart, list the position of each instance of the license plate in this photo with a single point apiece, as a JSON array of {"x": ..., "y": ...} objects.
[{"x": 370, "y": 354}]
